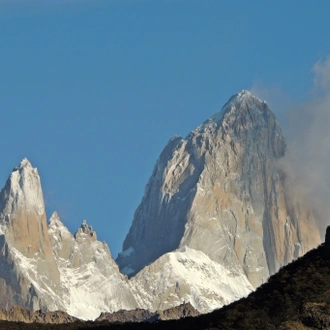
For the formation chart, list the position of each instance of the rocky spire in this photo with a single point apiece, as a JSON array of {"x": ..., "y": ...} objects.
[
  {"x": 85, "y": 230},
  {"x": 22, "y": 211},
  {"x": 27, "y": 244}
]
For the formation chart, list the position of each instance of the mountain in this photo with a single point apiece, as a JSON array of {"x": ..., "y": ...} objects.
[
  {"x": 295, "y": 298},
  {"x": 88, "y": 272},
  {"x": 187, "y": 275},
  {"x": 46, "y": 267},
  {"x": 28, "y": 269},
  {"x": 221, "y": 191},
  {"x": 218, "y": 217}
]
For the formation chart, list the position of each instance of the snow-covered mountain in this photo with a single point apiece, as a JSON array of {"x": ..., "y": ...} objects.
[
  {"x": 47, "y": 267},
  {"x": 187, "y": 275},
  {"x": 88, "y": 272},
  {"x": 217, "y": 218}
]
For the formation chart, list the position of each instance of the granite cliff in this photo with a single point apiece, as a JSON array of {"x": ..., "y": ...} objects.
[{"x": 220, "y": 191}]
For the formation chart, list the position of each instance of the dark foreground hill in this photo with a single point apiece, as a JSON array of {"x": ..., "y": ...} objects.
[{"x": 296, "y": 298}]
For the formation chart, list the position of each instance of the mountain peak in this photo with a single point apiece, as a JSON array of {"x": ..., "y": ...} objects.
[
  {"x": 86, "y": 230},
  {"x": 240, "y": 102},
  {"x": 244, "y": 95},
  {"x": 25, "y": 163},
  {"x": 56, "y": 226},
  {"x": 23, "y": 190}
]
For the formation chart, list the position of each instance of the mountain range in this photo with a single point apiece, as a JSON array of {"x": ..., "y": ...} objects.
[{"x": 218, "y": 217}]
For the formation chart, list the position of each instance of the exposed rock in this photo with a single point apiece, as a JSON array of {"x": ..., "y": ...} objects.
[
  {"x": 20, "y": 314},
  {"x": 220, "y": 191},
  {"x": 217, "y": 218},
  {"x": 178, "y": 312},
  {"x": 137, "y": 315},
  {"x": 88, "y": 271},
  {"x": 49, "y": 269},
  {"x": 28, "y": 268},
  {"x": 142, "y": 315}
]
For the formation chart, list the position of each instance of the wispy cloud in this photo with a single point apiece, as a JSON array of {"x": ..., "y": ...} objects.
[
  {"x": 321, "y": 70},
  {"x": 276, "y": 98},
  {"x": 308, "y": 134}
]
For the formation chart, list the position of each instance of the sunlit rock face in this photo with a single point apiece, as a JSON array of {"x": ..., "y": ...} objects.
[
  {"x": 48, "y": 268},
  {"x": 28, "y": 270},
  {"x": 220, "y": 191}
]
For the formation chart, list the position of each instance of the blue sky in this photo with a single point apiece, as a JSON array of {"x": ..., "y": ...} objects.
[{"x": 91, "y": 91}]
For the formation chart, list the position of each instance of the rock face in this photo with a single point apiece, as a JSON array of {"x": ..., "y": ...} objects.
[
  {"x": 220, "y": 191},
  {"x": 88, "y": 271},
  {"x": 28, "y": 268},
  {"x": 47, "y": 268}
]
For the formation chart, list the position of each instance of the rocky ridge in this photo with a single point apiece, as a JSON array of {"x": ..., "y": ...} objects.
[
  {"x": 142, "y": 315},
  {"x": 20, "y": 314},
  {"x": 88, "y": 272}
]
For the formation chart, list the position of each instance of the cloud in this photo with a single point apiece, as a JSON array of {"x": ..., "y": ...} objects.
[
  {"x": 277, "y": 100},
  {"x": 307, "y": 130},
  {"x": 321, "y": 70}
]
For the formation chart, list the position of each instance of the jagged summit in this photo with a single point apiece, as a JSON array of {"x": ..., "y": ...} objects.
[
  {"x": 241, "y": 102},
  {"x": 56, "y": 228},
  {"x": 24, "y": 188},
  {"x": 24, "y": 227},
  {"x": 243, "y": 96},
  {"x": 46, "y": 267},
  {"x": 85, "y": 229},
  {"x": 24, "y": 163}
]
